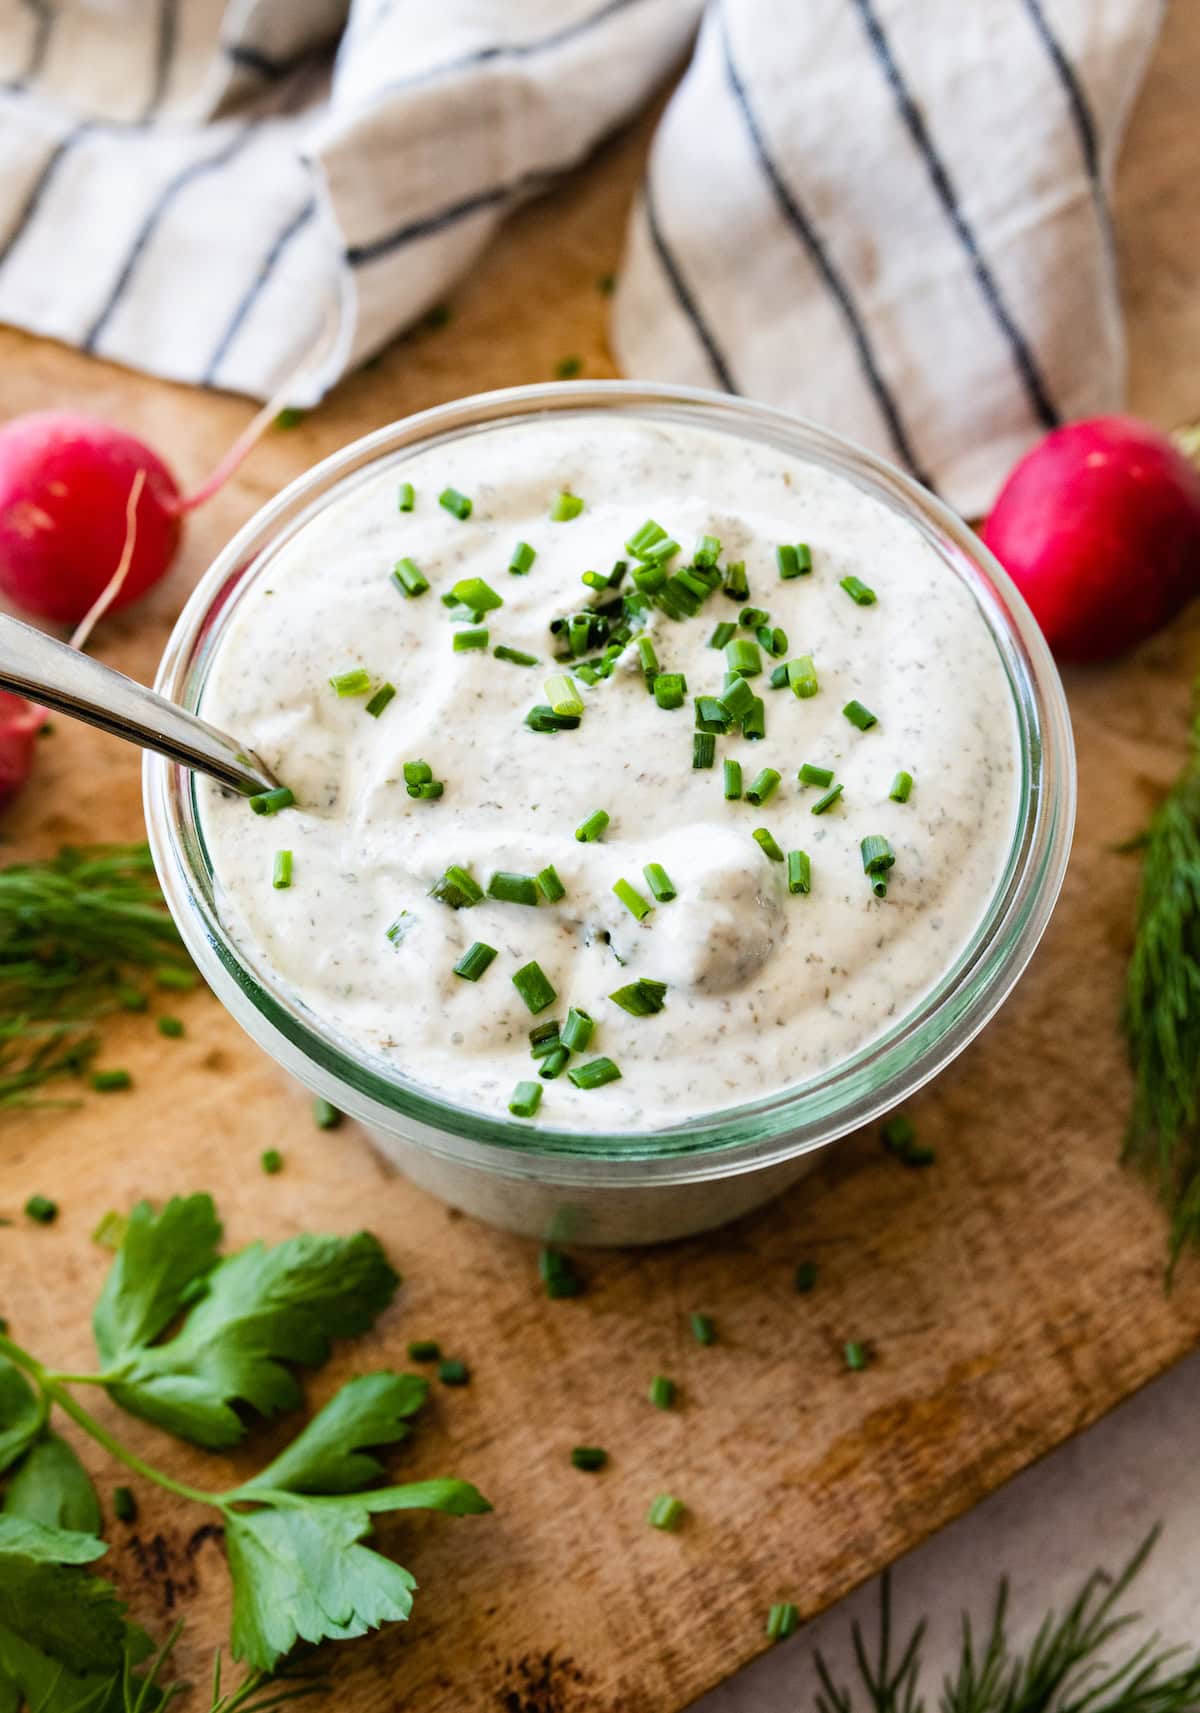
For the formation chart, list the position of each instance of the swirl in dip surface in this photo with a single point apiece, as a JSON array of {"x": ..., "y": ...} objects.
[{"x": 764, "y": 987}]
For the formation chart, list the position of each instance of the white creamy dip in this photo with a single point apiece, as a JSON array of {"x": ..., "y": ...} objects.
[{"x": 765, "y": 988}]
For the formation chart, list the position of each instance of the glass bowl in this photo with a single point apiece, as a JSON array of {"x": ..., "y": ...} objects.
[{"x": 687, "y": 1177}]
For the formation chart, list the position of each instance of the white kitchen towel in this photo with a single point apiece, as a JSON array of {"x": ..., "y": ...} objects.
[{"x": 890, "y": 215}]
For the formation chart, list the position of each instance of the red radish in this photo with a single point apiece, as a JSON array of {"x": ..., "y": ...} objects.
[
  {"x": 20, "y": 723},
  {"x": 1099, "y": 527},
  {"x": 65, "y": 482}
]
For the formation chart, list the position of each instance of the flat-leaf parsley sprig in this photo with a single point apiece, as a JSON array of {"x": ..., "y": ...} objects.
[{"x": 294, "y": 1531}]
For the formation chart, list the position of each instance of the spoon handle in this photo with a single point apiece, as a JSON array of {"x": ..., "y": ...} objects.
[{"x": 47, "y": 671}]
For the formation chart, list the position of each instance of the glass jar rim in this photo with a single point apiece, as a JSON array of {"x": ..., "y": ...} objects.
[{"x": 759, "y": 1132}]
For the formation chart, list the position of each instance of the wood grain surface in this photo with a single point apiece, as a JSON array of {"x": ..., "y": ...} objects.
[{"x": 1010, "y": 1295}]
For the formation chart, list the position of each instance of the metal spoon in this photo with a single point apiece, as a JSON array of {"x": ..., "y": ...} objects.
[{"x": 47, "y": 671}]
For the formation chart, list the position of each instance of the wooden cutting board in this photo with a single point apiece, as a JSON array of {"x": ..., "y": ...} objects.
[{"x": 1010, "y": 1295}]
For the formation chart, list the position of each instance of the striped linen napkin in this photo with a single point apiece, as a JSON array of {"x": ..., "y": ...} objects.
[{"x": 889, "y": 215}]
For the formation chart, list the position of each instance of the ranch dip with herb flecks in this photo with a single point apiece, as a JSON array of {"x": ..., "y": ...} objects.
[{"x": 508, "y": 717}]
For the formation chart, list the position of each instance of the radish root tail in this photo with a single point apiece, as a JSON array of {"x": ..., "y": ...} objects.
[{"x": 112, "y": 588}]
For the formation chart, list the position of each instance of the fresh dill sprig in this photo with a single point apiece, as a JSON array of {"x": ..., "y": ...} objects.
[
  {"x": 1162, "y": 1005},
  {"x": 72, "y": 929},
  {"x": 1067, "y": 1668}
]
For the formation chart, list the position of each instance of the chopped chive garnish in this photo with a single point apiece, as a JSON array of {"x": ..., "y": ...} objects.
[
  {"x": 380, "y": 700},
  {"x": 407, "y": 497},
  {"x": 559, "y": 1274},
  {"x": 521, "y": 559},
  {"x": 802, "y": 676},
  {"x": 271, "y": 802},
  {"x": 534, "y": 987},
  {"x": 859, "y": 716},
  {"x": 41, "y": 1209},
  {"x": 417, "y": 773},
  {"x": 631, "y": 898},
  {"x": 408, "y": 579},
  {"x": 762, "y": 786},
  {"x": 805, "y": 1277},
  {"x": 588, "y": 831},
  {"x": 659, "y": 882},
  {"x": 799, "y": 872},
  {"x": 877, "y": 858},
  {"x": 766, "y": 844},
  {"x": 662, "y": 1392},
  {"x": 641, "y": 998},
  {"x": 773, "y": 640},
  {"x": 645, "y": 539},
  {"x": 125, "y": 1507},
  {"x": 543, "y": 1038},
  {"x": 554, "y": 1062},
  {"x": 282, "y": 875},
  {"x": 736, "y": 586},
  {"x": 788, "y": 561},
  {"x": 542, "y": 718},
  {"x": 594, "y": 1074},
  {"x": 778, "y": 677},
  {"x": 754, "y": 720},
  {"x": 706, "y": 552},
  {"x": 857, "y": 1355},
  {"x": 577, "y": 1030},
  {"x": 426, "y": 1349},
  {"x": 568, "y": 367},
  {"x": 901, "y": 787},
  {"x": 649, "y": 578},
  {"x": 733, "y": 780},
  {"x": 171, "y": 1027},
  {"x": 353, "y": 683},
  {"x": 271, "y": 1161},
  {"x": 666, "y": 1513},
  {"x": 401, "y": 927},
  {"x": 513, "y": 888},
  {"x": 562, "y": 695},
  {"x": 457, "y": 888},
  {"x": 175, "y": 980},
  {"x": 474, "y": 593},
  {"x": 131, "y": 998},
  {"x": 737, "y": 699},
  {"x": 828, "y": 800},
  {"x": 704, "y": 749},
  {"x": 108, "y": 1082},
  {"x": 711, "y": 715},
  {"x": 475, "y": 636},
  {"x": 431, "y": 788},
  {"x": 859, "y": 592},
  {"x": 594, "y": 580},
  {"x": 452, "y": 1372},
  {"x": 552, "y": 887},
  {"x": 742, "y": 656},
  {"x": 588, "y": 1457},
  {"x": 475, "y": 960},
  {"x": 649, "y": 660},
  {"x": 782, "y": 1621},
  {"x": 525, "y": 1100},
  {"x": 670, "y": 688},
  {"x": 455, "y": 502},
  {"x": 722, "y": 634},
  {"x": 811, "y": 774},
  {"x": 900, "y": 1139},
  {"x": 325, "y": 1114},
  {"x": 750, "y": 618},
  {"x": 517, "y": 656},
  {"x": 704, "y": 1329},
  {"x": 565, "y": 507}
]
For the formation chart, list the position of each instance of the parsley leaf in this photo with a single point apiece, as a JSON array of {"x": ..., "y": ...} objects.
[
  {"x": 51, "y": 1486},
  {"x": 162, "y": 1262},
  {"x": 259, "y": 1309},
  {"x": 299, "y": 1571},
  {"x": 64, "y": 1641},
  {"x": 21, "y": 1415},
  {"x": 327, "y": 1456}
]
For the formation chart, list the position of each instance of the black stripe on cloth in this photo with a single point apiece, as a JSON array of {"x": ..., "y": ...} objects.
[
  {"x": 268, "y": 66},
  {"x": 1081, "y": 113},
  {"x": 683, "y": 292},
  {"x": 41, "y": 184},
  {"x": 1023, "y": 358},
  {"x": 170, "y": 191},
  {"x": 269, "y": 263},
  {"x": 822, "y": 261},
  {"x": 500, "y": 50},
  {"x": 428, "y": 224},
  {"x": 164, "y": 57}
]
